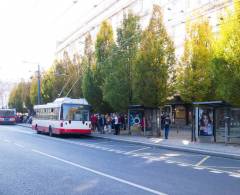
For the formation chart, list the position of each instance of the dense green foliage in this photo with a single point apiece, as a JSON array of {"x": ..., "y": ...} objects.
[
  {"x": 138, "y": 66},
  {"x": 154, "y": 65},
  {"x": 19, "y": 97},
  {"x": 117, "y": 89},
  {"x": 195, "y": 79},
  {"x": 227, "y": 57}
]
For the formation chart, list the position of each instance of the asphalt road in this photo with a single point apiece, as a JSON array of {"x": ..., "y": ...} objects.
[{"x": 39, "y": 164}]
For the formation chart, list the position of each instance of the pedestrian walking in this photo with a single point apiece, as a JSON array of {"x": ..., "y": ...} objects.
[
  {"x": 162, "y": 120},
  {"x": 125, "y": 121},
  {"x": 113, "y": 122},
  {"x": 94, "y": 122},
  {"x": 101, "y": 123},
  {"x": 116, "y": 124},
  {"x": 167, "y": 122},
  {"x": 109, "y": 123}
]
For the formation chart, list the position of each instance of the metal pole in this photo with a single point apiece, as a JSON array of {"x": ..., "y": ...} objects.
[
  {"x": 129, "y": 127},
  {"x": 226, "y": 130},
  {"x": 39, "y": 94},
  {"x": 196, "y": 130},
  {"x": 144, "y": 125}
]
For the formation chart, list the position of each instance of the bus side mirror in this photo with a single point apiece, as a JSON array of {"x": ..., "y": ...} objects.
[{"x": 69, "y": 121}]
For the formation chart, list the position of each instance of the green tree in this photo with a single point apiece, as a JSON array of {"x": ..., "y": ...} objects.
[
  {"x": 195, "y": 76},
  {"x": 91, "y": 90},
  {"x": 88, "y": 58},
  {"x": 47, "y": 87},
  {"x": 34, "y": 91},
  {"x": 154, "y": 65},
  {"x": 117, "y": 87},
  {"x": 75, "y": 75},
  {"x": 77, "y": 69},
  {"x": 227, "y": 57},
  {"x": 19, "y": 97},
  {"x": 14, "y": 101},
  {"x": 103, "y": 47}
]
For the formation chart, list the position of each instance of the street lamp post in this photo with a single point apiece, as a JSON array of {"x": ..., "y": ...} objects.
[{"x": 39, "y": 82}]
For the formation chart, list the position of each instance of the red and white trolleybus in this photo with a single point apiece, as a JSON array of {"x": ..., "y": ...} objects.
[
  {"x": 7, "y": 116},
  {"x": 63, "y": 116}
]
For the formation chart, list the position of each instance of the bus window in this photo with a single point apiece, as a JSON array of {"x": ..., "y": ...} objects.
[
  {"x": 75, "y": 112},
  {"x": 7, "y": 113}
]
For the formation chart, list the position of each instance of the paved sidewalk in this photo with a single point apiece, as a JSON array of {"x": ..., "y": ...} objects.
[{"x": 215, "y": 149}]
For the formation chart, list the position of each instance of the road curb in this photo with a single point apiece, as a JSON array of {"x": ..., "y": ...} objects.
[{"x": 178, "y": 148}]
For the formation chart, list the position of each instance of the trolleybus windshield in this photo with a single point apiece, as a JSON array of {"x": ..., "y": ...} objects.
[
  {"x": 75, "y": 112},
  {"x": 5, "y": 113}
]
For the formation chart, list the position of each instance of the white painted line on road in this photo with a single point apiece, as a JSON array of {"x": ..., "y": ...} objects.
[
  {"x": 231, "y": 173},
  {"x": 6, "y": 140},
  {"x": 183, "y": 165},
  {"x": 195, "y": 166},
  {"x": 202, "y": 161},
  {"x": 102, "y": 142},
  {"x": 102, "y": 174},
  {"x": 235, "y": 175},
  {"x": 221, "y": 167},
  {"x": 216, "y": 171},
  {"x": 169, "y": 162},
  {"x": 19, "y": 145},
  {"x": 20, "y": 131},
  {"x": 92, "y": 146},
  {"x": 133, "y": 151},
  {"x": 199, "y": 168}
]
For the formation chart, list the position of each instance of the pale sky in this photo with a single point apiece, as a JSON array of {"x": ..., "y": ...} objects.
[{"x": 30, "y": 29}]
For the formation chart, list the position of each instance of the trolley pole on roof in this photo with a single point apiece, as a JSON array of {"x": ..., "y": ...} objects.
[{"x": 39, "y": 93}]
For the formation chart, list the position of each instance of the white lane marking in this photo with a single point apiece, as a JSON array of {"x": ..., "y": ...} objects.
[
  {"x": 216, "y": 171},
  {"x": 19, "y": 145},
  {"x": 235, "y": 175},
  {"x": 199, "y": 168},
  {"x": 102, "y": 174},
  {"x": 145, "y": 157},
  {"x": 183, "y": 165},
  {"x": 202, "y": 161},
  {"x": 6, "y": 140},
  {"x": 101, "y": 142},
  {"x": 114, "y": 145},
  {"x": 169, "y": 161},
  {"x": 133, "y": 151},
  {"x": 20, "y": 131},
  {"x": 221, "y": 167},
  {"x": 89, "y": 145}
]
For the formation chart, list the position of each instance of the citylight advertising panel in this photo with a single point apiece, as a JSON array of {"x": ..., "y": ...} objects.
[
  {"x": 205, "y": 121},
  {"x": 136, "y": 118}
]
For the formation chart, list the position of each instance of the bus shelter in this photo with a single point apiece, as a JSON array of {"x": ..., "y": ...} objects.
[
  {"x": 143, "y": 120},
  {"x": 211, "y": 121}
]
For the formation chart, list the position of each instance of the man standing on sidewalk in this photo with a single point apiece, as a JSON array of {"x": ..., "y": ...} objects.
[
  {"x": 116, "y": 124},
  {"x": 167, "y": 122}
]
